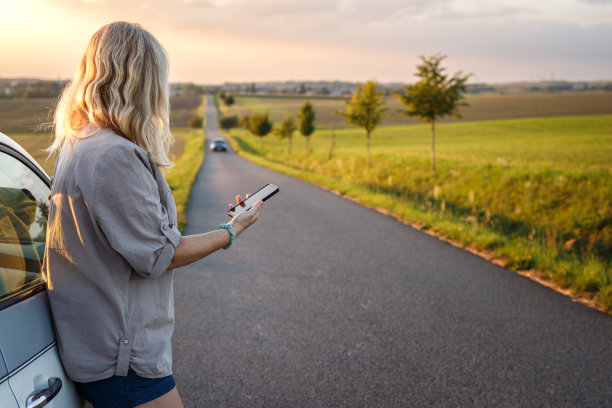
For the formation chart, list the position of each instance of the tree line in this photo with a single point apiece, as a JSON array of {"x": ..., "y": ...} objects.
[
  {"x": 31, "y": 88},
  {"x": 259, "y": 124},
  {"x": 435, "y": 95}
]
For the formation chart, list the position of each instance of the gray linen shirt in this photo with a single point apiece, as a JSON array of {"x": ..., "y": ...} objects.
[{"x": 111, "y": 237}]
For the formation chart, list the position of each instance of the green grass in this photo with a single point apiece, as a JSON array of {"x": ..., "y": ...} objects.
[
  {"x": 187, "y": 163},
  {"x": 536, "y": 192},
  {"x": 181, "y": 177}
]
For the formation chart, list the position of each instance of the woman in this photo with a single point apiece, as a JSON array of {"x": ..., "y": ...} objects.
[{"x": 112, "y": 240}]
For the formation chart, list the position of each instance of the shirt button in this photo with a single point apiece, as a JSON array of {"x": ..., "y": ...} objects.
[
  {"x": 126, "y": 342},
  {"x": 165, "y": 227}
]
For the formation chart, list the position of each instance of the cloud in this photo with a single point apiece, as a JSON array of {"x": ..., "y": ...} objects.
[
  {"x": 382, "y": 38},
  {"x": 598, "y": 2},
  {"x": 214, "y": 12},
  {"x": 492, "y": 12}
]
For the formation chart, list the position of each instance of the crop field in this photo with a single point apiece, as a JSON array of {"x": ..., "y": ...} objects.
[
  {"x": 536, "y": 192},
  {"x": 481, "y": 107},
  {"x": 28, "y": 122},
  {"x": 187, "y": 152},
  {"x": 35, "y": 115},
  {"x": 182, "y": 109},
  {"x": 26, "y": 115},
  {"x": 35, "y": 143}
]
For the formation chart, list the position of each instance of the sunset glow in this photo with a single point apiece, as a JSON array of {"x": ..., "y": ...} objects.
[{"x": 214, "y": 41}]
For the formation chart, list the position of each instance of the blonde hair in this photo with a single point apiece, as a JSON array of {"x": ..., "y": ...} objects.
[{"x": 121, "y": 84}]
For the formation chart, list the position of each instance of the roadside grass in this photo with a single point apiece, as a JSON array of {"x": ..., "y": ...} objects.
[
  {"x": 180, "y": 178},
  {"x": 187, "y": 163},
  {"x": 481, "y": 107},
  {"x": 536, "y": 193}
]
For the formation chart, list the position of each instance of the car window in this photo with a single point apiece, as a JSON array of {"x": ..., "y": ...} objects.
[{"x": 24, "y": 208}]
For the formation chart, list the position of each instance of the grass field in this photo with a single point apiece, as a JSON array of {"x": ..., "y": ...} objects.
[
  {"x": 482, "y": 107},
  {"x": 537, "y": 192},
  {"x": 26, "y": 115}
]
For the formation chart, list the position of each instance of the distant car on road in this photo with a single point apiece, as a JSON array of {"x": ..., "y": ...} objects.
[
  {"x": 31, "y": 373},
  {"x": 218, "y": 145}
]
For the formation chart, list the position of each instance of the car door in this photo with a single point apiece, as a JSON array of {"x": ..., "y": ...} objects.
[
  {"x": 30, "y": 368},
  {"x": 7, "y": 399}
]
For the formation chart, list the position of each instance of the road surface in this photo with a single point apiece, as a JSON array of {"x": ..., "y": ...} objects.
[{"x": 325, "y": 303}]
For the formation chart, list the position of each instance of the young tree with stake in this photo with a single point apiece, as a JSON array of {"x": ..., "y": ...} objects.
[
  {"x": 366, "y": 109},
  {"x": 306, "y": 122},
  {"x": 434, "y": 96},
  {"x": 285, "y": 129},
  {"x": 260, "y": 125}
]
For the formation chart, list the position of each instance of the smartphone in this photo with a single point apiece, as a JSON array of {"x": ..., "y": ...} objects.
[{"x": 262, "y": 194}]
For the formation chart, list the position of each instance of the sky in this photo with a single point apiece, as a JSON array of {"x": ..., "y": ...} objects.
[{"x": 217, "y": 41}]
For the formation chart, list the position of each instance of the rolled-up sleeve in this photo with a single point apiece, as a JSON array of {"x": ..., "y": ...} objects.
[{"x": 129, "y": 213}]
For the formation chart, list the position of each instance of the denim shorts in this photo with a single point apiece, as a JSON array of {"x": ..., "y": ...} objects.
[{"x": 124, "y": 392}]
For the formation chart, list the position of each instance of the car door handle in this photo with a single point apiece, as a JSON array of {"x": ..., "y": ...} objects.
[{"x": 41, "y": 398}]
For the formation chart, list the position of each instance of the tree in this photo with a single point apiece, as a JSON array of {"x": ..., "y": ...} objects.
[
  {"x": 244, "y": 121},
  {"x": 286, "y": 129},
  {"x": 229, "y": 100},
  {"x": 228, "y": 122},
  {"x": 434, "y": 96},
  {"x": 332, "y": 147},
  {"x": 306, "y": 120},
  {"x": 192, "y": 89},
  {"x": 196, "y": 121},
  {"x": 260, "y": 125},
  {"x": 366, "y": 109}
]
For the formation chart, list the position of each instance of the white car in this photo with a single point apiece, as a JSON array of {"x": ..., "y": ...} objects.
[
  {"x": 218, "y": 145},
  {"x": 31, "y": 373}
]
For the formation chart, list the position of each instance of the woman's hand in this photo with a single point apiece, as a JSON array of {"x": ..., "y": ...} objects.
[{"x": 243, "y": 220}]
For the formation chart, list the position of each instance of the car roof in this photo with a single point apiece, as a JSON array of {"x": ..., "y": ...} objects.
[{"x": 7, "y": 141}]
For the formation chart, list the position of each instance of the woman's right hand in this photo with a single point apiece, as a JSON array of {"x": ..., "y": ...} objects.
[{"x": 243, "y": 220}]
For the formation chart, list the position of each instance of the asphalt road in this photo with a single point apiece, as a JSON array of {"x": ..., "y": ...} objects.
[{"x": 324, "y": 303}]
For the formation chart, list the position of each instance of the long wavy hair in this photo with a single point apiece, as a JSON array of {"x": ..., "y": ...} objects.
[{"x": 121, "y": 84}]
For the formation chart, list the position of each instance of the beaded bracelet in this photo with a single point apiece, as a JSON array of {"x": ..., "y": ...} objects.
[{"x": 228, "y": 227}]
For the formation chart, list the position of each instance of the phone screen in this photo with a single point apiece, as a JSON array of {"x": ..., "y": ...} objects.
[{"x": 262, "y": 194}]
